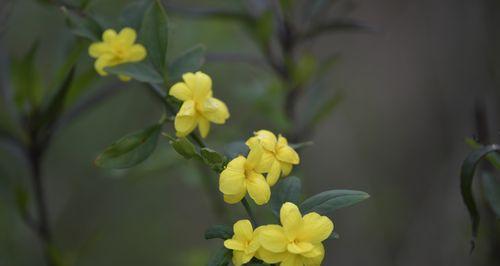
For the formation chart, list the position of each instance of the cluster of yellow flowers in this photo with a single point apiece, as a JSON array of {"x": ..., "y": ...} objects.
[
  {"x": 115, "y": 49},
  {"x": 296, "y": 242},
  {"x": 268, "y": 154}
]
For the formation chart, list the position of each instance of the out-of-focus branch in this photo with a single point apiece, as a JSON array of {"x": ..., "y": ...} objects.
[
  {"x": 334, "y": 26},
  {"x": 215, "y": 13},
  {"x": 235, "y": 58}
]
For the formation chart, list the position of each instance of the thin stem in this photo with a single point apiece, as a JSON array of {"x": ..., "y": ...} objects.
[{"x": 249, "y": 211}]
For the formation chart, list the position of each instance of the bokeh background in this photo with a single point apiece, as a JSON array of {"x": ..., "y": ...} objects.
[{"x": 410, "y": 89}]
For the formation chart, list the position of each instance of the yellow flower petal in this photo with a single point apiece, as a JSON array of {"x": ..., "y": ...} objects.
[
  {"x": 291, "y": 219},
  {"x": 252, "y": 141},
  {"x": 292, "y": 260},
  {"x": 98, "y": 48},
  {"x": 102, "y": 62},
  {"x": 181, "y": 91},
  {"x": 124, "y": 78},
  {"x": 299, "y": 247},
  {"x": 270, "y": 257},
  {"x": 234, "y": 244},
  {"x": 272, "y": 238},
  {"x": 215, "y": 110},
  {"x": 266, "y": 161},
  {"x": 136, "y": 53},
  {"x": 253, "y": 158},
  {"x": 243, "y": 230},
  {"x": 258, "y": 188},
  {"x": 286, "y": 168},
  {"x": 267, "y": 139},
  {"x": 127, "y": 36},
  {"x": 316, "y": 228},
  {"x": 240, "y": 258},
  {"x": 274, "y": 173},
  {"x": 237, "y": 164},
  {"x": 231, "y": 182},
  {"x": 186, "y": 119},
  {"x": 200, "y": 83},
  {"x": 109, "y": 35},
  {"x": 203, "y": 126},
  {"x": 233, "y": 199},
  {"x": 285, "y": 153},
  {"x": 316, "y": 254}
]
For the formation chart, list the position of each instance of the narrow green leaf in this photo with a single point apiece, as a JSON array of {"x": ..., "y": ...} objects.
[
  {"x": 184, "y": 147},
  {"x": 220, "y": 258},
  {"x": 141, "y": 71},
  {"x": 154, "y": 34},
  {"x": 493, "y": 158},
  {"x": 55, "y": 104},
  {"x": 329, "y": 201},
  {"x": 326, "y": 108},
  {"x": 133, "y": 14},
  {"x": 219, "y": 231},
  {"x": 466, "y": 176},
  {"x": 27, "y": 80},
  {"x": 22, "y": 200},
  {"x": 491, "y": 186},
  {"x": 83, "y": 25},
  {"x": 214, "y": 159},
  {"x": 189, "y": 61},
  {"x": 130, "y": 150},
  {"x": 287, "y": 190}
]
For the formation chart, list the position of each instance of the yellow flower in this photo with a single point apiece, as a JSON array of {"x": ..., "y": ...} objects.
[
  {"x": 298, "y": 241},
  {"x": 278, "y": 158},
  {"x": 240, "y": 176},
  {"x": 244, "y": 242},
  {"x": 199, "y": 108},
  {"x": 115, "y": 49}
]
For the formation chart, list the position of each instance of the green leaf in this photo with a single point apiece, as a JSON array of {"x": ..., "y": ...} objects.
[
  {"x": 184, "y": 147},
  {"x": 154, "y": 34},
  {"x": 287, "y": 190},
  {"x": 27, "y": 80},
  {"x": 220, "y": 258},
  {"x": 466, "y": 176},
  {"x": 326, "y": 108},
  {"x": 214, "y": 159},
  {"x": 141, "y": 71},
  {"x": 130, "y": 150},
  {"x": 22, "y": 200},
  {"x": 329, "y": 201},
  {"x": 83, "y": 25},
  {"x": 491, "y": 186},
  {"x": 304, "y": 69},
  {"x": 493, "y": 158},
  {"x": 189, "y": 61},
  {"x": 133, "y": 14},
  {"x": 219, "y": 231}
]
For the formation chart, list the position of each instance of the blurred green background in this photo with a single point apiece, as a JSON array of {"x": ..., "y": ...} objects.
[{"x": 409, "y": 93}]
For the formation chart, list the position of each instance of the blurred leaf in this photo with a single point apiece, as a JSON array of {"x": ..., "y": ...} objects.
[
  {"x": 326, "y": 108},
  {"x": 313, "y": 7},
  {"x": 298, "y": 146},
  {"x": 54, "y": 106},
  {"x": 329, "y": 201},
  {"x": 83, "y": 25},
  {"x": 219, "y": 231},
  {"x": 27, "y": 80},
  {"x": 184, "y": 147},
  {"x": 466, "y": 176},
  {"x": 493, "y": 158},
  {"x": 154, "y": 34},
  {"x": 235, "y": 148},
  {"x": 22, "y": 200},
  {"x": 216, "y": 160},
  {"x": 139, "y": 71},
  {"x": 82, "y": 82},
  {"x": 220, "y": 258},
  {"x": 189, "y": 61},
  {"x": 304, "y": 69},
  {"x": 70, "y": 59},
  {"x": 264, "y": 27},
  {"x": 336, "y": 25},
  {"x": 130, "y": 150},
  {"x": 491, "y": 187},
  {"x": 133, "y": 14},
  {"x": 334, "y": 236},
  {"x": 287, "y": 190}
]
